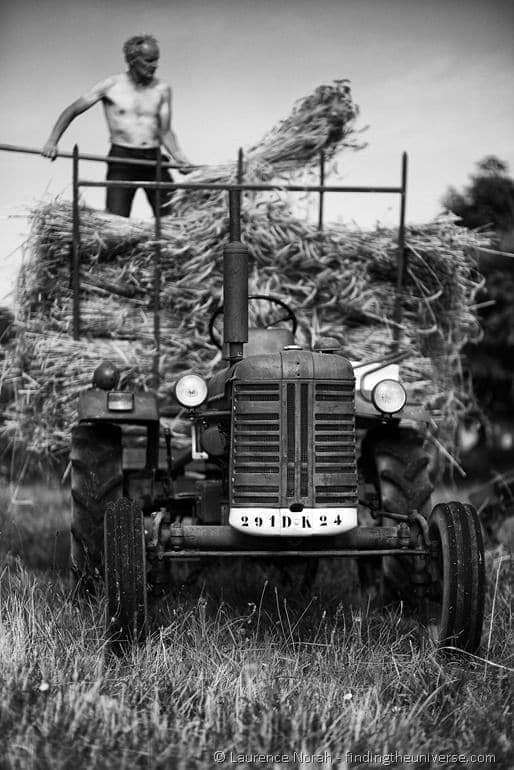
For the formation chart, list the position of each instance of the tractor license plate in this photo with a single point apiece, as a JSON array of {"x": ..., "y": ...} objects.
[{"x": 324, "y": 521}]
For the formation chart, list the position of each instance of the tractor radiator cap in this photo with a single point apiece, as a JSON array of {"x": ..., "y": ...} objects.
[{"x": 326, "y": 345}]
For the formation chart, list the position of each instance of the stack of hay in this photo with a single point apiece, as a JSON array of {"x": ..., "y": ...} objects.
[{"x": 341, "y": 283}]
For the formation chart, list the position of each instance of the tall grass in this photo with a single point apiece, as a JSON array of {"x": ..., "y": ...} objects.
[{"x": 244, "y": 666}]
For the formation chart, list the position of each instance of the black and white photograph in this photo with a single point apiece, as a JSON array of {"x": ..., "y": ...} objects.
[{"x": 256, "y": 384}]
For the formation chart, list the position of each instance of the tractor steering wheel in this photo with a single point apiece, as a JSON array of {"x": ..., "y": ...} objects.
[{"x": 289, "y": 316}]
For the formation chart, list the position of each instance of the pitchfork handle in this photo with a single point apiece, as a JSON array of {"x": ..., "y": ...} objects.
[{"x": 102, "y": 158}]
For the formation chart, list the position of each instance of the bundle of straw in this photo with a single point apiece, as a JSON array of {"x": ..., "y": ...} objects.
[
  {"x": 323, "y": 120},
  {"x": 341, "y": 284}
]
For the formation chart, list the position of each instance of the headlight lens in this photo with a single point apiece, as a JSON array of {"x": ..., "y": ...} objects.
[
  {"x": 389, "y": 396},
  {"x": 191, "y": 390}
]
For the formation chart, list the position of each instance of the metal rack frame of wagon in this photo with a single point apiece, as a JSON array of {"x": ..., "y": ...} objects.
[{"x": 235, "y": 191}]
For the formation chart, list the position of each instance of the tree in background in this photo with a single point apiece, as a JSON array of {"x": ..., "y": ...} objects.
[{"x": 488, "y": 203}]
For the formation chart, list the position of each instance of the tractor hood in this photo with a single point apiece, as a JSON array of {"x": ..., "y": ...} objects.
[
  {"x": 292, "y": 364},
  {"x": 285, "y": 365}
]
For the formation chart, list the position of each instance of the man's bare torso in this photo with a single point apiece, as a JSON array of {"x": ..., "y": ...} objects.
[
  {"x": 132, "y": 112},
  {"x": 137, "y": 105}
]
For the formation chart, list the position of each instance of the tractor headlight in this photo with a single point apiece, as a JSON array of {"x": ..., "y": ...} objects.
[
  {"x": 389, "y": 396},
  {"x": 106, "y": 376},
  {"x": 191, "y": 390}
]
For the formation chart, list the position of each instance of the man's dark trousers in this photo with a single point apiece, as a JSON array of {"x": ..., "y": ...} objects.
[{"x": 119, "y": 199}]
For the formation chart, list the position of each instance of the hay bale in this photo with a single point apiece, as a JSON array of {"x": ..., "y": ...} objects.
[{"x": 341, "y": 282}]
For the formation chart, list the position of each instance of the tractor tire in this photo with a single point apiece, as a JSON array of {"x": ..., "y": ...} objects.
[
  {"x": 455, "y": 606},
  {"x": 401, "y": 473},
  {"x": 96, "y": 480},
  {"x": 402, "y": 467},
  {"x": 125, "y": 574}
]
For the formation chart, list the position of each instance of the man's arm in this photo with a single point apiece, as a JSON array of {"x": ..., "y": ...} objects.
[
  {"x": 168, "y": 137},
  {"x": 70, "y": 112}
]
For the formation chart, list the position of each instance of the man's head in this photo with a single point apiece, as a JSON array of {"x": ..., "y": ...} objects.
[{"x": 142, "y": 56}]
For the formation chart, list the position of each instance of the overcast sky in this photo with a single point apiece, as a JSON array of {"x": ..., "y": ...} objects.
[{"x": 433, "y": 77}]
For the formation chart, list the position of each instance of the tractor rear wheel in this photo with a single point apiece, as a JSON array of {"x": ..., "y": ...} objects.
[
  {"x": 404, "y": 486},
  {"x": 400, "y": 467},
  {"x": 455, "y": 604},
  {"x": 125, "y": 573},
  {"x": 96, "y": 480}
]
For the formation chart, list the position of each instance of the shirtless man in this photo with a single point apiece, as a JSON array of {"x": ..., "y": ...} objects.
[{"x": 137, "y": 108}]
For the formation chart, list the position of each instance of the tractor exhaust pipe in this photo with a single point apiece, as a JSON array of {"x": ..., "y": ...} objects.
[{"x": 235, "y": 280}]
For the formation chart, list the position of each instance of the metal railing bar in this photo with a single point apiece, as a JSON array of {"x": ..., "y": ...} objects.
[
  {"x": 235, "y": 186},
  {"x": 157, "y": 274},
  {"x": 402, "y": 259},
  {"x": 321, "y": 184},
  {"x": 75, "y": 247}
]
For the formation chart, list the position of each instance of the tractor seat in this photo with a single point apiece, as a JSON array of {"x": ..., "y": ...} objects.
[{"x": 262, "y": 341}]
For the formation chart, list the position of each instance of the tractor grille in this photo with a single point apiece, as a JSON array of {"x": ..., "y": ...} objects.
[
  {"x": 293, "y": 442},
  {"x": 334, "y": 444},
  {"x": 256, "y": 445}
]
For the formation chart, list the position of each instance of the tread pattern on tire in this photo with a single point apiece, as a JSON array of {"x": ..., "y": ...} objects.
[
  {"x": 125, "y": 572},
  {"x": 457, "y": 528},
  {"x": 96, "y": 480}
]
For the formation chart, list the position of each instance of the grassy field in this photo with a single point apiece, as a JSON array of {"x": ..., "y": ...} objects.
[{"x": 239, "y": 664}]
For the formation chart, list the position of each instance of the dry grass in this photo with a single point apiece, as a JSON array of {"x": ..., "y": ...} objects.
[{"x": 239, "y": 665}]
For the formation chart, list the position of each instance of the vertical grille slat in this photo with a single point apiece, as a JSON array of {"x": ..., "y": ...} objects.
[
  {"x": 291, "y": 433},
  {"x": 304, "y": 440}
]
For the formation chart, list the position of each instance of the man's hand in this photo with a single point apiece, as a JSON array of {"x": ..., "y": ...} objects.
[
  {"x": 185, "y": 169},
  {"x": 184, "y": 166},
  {"x": 50, "y": 150}
]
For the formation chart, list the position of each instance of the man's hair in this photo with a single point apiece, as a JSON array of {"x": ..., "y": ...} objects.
[{"x": 132, "y": 47}]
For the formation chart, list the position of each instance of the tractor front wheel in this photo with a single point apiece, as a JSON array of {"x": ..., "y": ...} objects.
[
  {"x": 125, "y": 573},
  {"x": 455, "y": 602}
]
